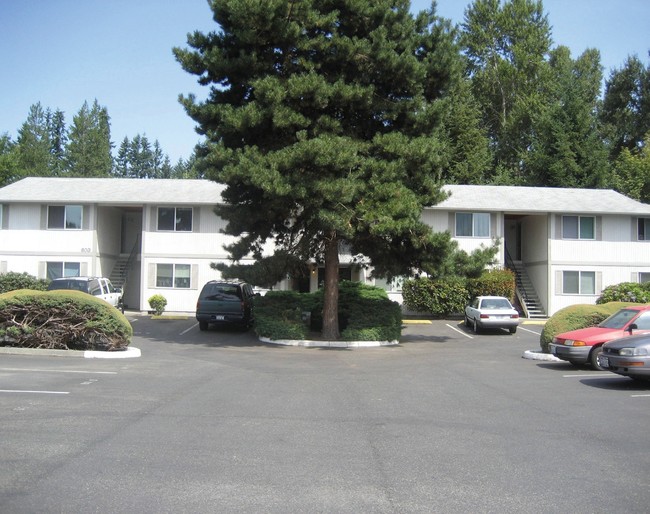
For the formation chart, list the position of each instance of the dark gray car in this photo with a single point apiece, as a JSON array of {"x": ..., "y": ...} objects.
[
  {"x": 225, "y": 303},
  {"x": 629, "y": 356}
]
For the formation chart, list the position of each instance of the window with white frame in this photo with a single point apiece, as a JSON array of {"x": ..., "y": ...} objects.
[
  {"x": 62, "y": 269},
  {"x": 472, "y": 224},
  {"x": 66, "y": 217},
  {"x": 177, "y": 276},
  {"x": 644, "y": 229},
  {"x": 175, "y": 219},
  {"x": 579, "y": 282},
  {"x": 392, "y": 286},
  {"x": 578, "y": 227},
  {"x": 644, "y": 277}
]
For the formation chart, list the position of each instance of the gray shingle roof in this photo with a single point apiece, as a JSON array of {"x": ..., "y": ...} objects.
[
  {"x": 113, "y": 191},
  {"x": 515, "y": 199}
]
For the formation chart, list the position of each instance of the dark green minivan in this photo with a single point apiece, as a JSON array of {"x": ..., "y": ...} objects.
[{"x": 225, "y": 303}]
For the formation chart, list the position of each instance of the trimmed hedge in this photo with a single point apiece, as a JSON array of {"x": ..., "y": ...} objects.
[
  {"x": 574, "y": 317},
  {"x": 495, "y": 282},
  {"x": 440, "y": 297},
  {"x": 13, "y": 281},
  {"x": 62, "y": 320},
  {"x": 365, "y": 314}
]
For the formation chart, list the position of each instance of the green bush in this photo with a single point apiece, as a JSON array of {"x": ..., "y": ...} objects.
[
  {"x": 158, "y": 302},
  {"x": 494, "y": 282},
  {"x": 626, "y": 292},
  {"x": 365, "y": 313},
  {"x": 574, "y": 317},
  {"x": 440, "y": 297},
  {"x": 12, "y": 281},
  {"x": 283, "y": 314},
  {"x": 64, "y": 320}
]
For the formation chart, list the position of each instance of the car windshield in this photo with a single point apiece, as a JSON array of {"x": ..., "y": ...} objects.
[
  {"x": 76, "y": 285},
  {"x": 619, "y": 319},
  {"x": 221, "y": 292},
  {"x": 495, "y": 303}
]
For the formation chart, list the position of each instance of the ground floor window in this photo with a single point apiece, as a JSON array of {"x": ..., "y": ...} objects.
[
  {"x": 392, "y": 286},
  {"x": 173, "y": 275},
  {"x": 644, "y": 277},
  {"x": 579, "y": 282},
  {"x": 63, "y": 269}
]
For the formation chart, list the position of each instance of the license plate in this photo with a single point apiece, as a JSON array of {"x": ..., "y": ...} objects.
[
  {"x": 220, "y": 318},
  {"x": 603, "y": 361}
]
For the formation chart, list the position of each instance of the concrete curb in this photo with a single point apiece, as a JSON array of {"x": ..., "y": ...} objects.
[
  {"x": 129, "y": 353},
  {"x": 537, "y": 355},
  {"x": 328, "y": 344}
]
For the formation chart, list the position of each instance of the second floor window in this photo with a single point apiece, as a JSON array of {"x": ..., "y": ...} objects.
[
  {"x": 644, "y": 229},
  {"x": 67, "y": 217},
  {"x": 177, "y": 219},
  {"x": 472, "y": 224},
  {"x": 578, "y": 227}
]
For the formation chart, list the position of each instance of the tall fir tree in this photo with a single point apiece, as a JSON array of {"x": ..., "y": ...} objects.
[
  {"x": 34, "y": 143},
  {"x": 323, "y": 120},
  {"x": 88, "y": 153}
]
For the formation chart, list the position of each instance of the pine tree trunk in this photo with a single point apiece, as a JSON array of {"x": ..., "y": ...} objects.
[{"x": 331, "y": 296}]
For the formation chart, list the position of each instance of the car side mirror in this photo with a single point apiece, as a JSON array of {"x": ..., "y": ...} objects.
[{"x": 633, "y": 326}]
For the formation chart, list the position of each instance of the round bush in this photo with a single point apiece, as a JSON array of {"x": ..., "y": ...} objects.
[
  {"x": 63, "y": 320},
  {"x": 574, "y": 317}
]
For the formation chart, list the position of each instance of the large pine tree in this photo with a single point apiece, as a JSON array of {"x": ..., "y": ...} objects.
[{"x": 324, "y": 121}]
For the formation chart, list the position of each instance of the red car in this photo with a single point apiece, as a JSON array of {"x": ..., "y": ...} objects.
[{"x": 586, "y": 344}]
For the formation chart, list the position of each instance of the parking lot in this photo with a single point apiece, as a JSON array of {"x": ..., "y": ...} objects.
[{"x": 217, "y": 421}]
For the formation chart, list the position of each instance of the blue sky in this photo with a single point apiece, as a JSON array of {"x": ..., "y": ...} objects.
[{"x": 64, "y": 52}]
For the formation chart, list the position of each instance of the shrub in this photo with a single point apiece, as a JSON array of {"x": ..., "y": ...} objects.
[
  {"x": 574, "y": 317},
  {"x": 12, "y": 281},
  {"x": 365, "y": 313},
  {"x": 439, "y": 297},
  {"x": 281, "y": 314},
  {"x": 626, "y": 292},
  {"x": 64, "y": 320},
  {"x": 495, "y": 282},
  {"x": 158, "y": 302}
]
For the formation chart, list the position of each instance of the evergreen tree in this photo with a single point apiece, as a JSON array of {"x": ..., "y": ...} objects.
[
  {"x": 632, "y": 171},
  {"x": 324, "y": 121},
  {"x": 34, "y": 144},
  {"x": 507, "y": 47},
  {"x": 88, "y": 153},
  {"x": 141, "y": 157},
  {"x": 567, "y": 148},
  {"x": 58, "y": 141},
  {"x": 626, "y": 106},
  {"x": 10, "y": 170},
  {"x": 122, "y": 162}
]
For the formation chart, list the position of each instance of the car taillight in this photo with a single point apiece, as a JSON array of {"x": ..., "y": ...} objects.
[
  {"x": 485, "y": 316},
  {"x": 514, "y": 316}
]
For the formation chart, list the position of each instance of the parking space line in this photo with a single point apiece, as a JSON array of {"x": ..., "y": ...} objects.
[
  {"x": 640, "y": 395},
  {"x": 459, "y": 331},
  {"x": 530, "y": 331},
  {"x": 188, "y": 329},
  {"x": 32, "y": 392},
  {"x": 61, "y": 371},
  {"x": 589, "y": 375}
]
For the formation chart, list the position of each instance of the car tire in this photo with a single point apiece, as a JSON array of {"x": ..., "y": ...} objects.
[
  {"x": 466, "y": 321},
  {"x": 203, "y": 326},
  {"x": 476, "y": 327},
  {"x": 513, "y": 330},
  {"x": 593, "y": 358}
]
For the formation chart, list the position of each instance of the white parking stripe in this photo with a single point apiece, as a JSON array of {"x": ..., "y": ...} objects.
[
  {"x": 459, "y": 331},
  {"x": 32, "y": 392},
  {"x": 61, "y": 371},
  {"x": 589, "y": 375},
  {"x": 188, "y": 329},
  {"x": 531, "y": 331},
  {"x": 640, "y": 395}
]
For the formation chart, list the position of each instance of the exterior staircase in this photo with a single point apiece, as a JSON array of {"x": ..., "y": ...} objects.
[
  {"x": 526, "y": 293},
  {"x": 120, "y": 271}
]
